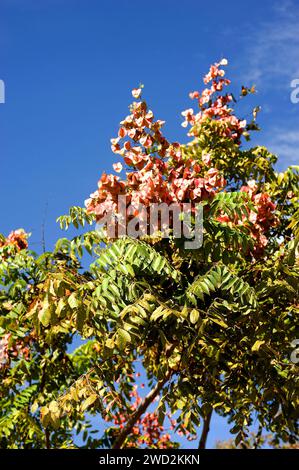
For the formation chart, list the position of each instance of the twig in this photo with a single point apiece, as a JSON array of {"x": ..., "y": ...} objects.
[{"x": 43, "y": 228}]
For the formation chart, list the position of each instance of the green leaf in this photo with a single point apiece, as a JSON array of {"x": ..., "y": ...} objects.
[
  {"x": 73, "y": 301},
  {"x": 220, "y": 322},
  {"x": 123, "y": 337},
  {"x": 257, "y": 345},
  {"x": 194, "y": 316},
  {"x": 45, "y": 313}
]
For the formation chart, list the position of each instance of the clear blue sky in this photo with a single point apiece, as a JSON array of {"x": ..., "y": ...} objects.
[{"x": 69, "y": 66}]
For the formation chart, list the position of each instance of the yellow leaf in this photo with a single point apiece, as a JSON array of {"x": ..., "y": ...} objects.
[{"x": 89, "y": 401}]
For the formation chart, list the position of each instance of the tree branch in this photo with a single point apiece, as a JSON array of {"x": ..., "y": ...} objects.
[
  {"x": 140, "y": 410},
  {"x": 205, "y": 431},
  {"x": 47, "y": 439}
]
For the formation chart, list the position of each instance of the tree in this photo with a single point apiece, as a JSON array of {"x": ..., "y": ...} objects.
[
  {"x": 253, "y": 441},
  {"x": 212, "y": 325}
]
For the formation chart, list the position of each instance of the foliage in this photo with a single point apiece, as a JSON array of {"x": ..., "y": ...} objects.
[
  {"x": 256, "y": 440},
  {"x": 212, "y": 326}
]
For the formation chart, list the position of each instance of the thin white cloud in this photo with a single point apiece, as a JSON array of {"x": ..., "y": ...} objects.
[
  {"x": 285, "y": 144},
  {"x": 272, "y": 56},
  {"x": 270, "y": 60}
]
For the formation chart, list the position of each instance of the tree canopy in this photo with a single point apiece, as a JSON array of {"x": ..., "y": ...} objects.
[{"x": 211, "y": 325}]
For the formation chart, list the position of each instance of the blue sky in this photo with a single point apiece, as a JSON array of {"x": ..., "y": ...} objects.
[{"x": 68, "y": 68}]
